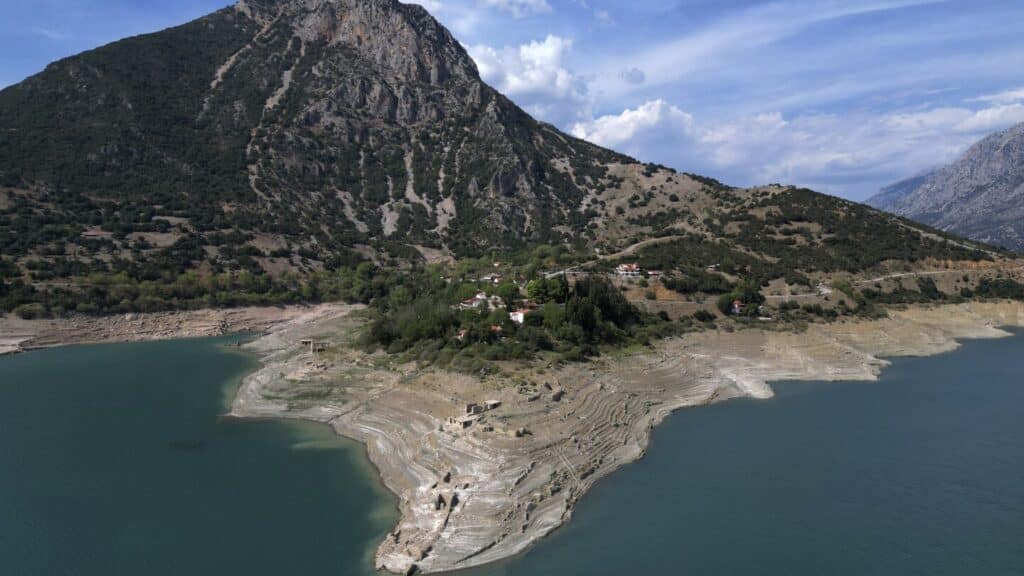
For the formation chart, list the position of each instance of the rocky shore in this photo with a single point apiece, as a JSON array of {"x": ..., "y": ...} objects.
[
  {"x": 18, "y": 335},
  {"x": 475, "y": 493}
]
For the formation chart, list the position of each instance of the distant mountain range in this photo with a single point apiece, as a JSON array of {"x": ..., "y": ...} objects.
[{"x": 980, "y": 195}]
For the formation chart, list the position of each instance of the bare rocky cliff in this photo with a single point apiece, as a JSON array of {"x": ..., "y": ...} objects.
[{"x": 980, "y": 196}]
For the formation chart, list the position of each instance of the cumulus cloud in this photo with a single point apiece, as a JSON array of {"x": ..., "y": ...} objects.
[
  {"x": 519, "y": 8},
  {"x": 656, "y": 118},
  {"x": 535, "y": 75}
]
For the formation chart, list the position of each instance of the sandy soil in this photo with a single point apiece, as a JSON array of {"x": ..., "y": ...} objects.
[{"x": 476, "y": 495}]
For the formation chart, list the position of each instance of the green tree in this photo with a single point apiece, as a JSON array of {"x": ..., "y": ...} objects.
[{"x": 509, "y": 293}]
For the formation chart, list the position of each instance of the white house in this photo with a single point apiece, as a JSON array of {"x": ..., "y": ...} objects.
[
  {"x": 628, "y": 270},
  {"x": 481, "y": 300}
]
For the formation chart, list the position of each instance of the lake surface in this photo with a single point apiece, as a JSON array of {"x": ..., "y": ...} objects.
[
  {"x": 921, "y": 473},
  {"x": 114, "y": 462}
]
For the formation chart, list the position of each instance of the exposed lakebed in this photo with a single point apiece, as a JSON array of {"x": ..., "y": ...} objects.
[{"x": 115, "y": 462}]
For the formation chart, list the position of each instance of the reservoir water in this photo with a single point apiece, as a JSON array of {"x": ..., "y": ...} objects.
[{"x": 114, "y": 462}]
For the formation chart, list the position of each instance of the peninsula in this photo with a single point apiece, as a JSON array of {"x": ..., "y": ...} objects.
[{"x": 499, "y": 311}]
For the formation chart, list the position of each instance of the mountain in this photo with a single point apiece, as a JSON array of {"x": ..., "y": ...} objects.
[
  {"x": 286, "y": 138},
  {"x": 333, "y": 121},
  {"x": 980, "y": 195}
]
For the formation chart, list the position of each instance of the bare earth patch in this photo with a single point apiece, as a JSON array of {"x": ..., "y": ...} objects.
[{"x": 18, "y": 335}]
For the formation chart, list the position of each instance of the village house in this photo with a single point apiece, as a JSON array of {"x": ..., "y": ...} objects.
[
  {"x": 629, "y": 270},
  {"x": 473, "y": 413},
  {"x": 481, "y": 300},
  {"x": 462, "y": 422},
  {"x": 519, "y": 316},
  {"x": 737, "y": 308},
  {"x": 314, "y": 346}
]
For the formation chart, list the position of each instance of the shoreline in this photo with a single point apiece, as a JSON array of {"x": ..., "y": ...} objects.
[
  {"x": 510, "y": 492},
  {"x": 472, "y": 497},
  {"x": 18, "y": 335}
]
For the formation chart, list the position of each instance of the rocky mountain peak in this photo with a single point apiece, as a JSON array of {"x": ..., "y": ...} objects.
[
  {"x": 401, "y": 38},
  {"x": 980, "y": 195}
]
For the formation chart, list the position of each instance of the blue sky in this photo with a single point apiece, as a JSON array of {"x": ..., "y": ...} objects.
[{"x": 843, "y": 96}]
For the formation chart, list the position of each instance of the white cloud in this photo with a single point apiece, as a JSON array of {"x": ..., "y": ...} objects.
[
  {"x": 824, "y": 151},
  {"x": 535, "y": 74},
  {"x": 1002, "y": 97},
  {"x": 959, "y": 120},
  {"x": 433, "y": 6},
  {"x": 656, "y": 117},
  {"x": 929, "y": 120},
  {"x": 992, "y": 119},
  {"x": 519, "y": 8},
  {"x": 533, "y": 68}
]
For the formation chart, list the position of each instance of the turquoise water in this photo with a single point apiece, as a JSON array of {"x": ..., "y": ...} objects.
[{"x": 114, "y": 462}]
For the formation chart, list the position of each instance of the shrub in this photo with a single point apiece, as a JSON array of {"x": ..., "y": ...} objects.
[
  {"x": 31, "y": 311},
  {"x": 704, "y": 316}
]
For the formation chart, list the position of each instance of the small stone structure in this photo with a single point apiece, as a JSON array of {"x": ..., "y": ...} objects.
[{"x": 314, "y": 346}]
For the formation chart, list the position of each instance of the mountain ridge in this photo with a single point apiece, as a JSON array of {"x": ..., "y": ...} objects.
[
  {"x": 286, "y": 139},
  {"x": 980, "y": 195}
]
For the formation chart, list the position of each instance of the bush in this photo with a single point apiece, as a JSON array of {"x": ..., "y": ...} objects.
[
  {"x": 1001, "y": 288},
  {"x": 704, "y": 316},
  {"x": 31, "y": 311}
]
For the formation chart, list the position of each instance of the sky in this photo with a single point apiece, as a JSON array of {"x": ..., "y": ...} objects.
[{"x": 842, "y": 96}]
